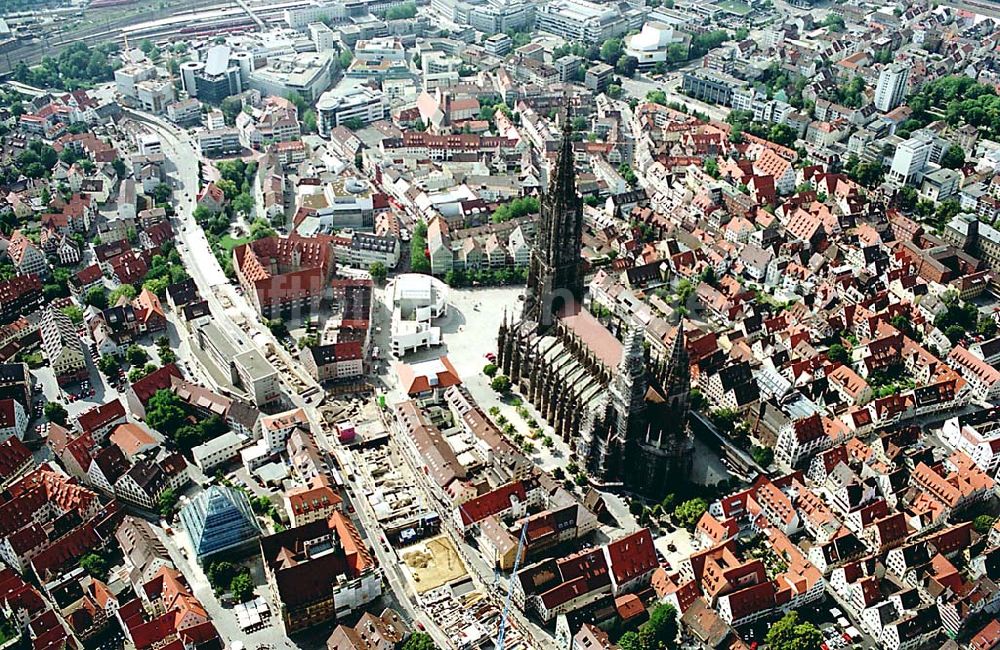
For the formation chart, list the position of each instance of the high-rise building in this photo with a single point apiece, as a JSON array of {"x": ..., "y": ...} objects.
[
  {"x": 221, "y": 75},
  {"x": 891, "y": 88}
]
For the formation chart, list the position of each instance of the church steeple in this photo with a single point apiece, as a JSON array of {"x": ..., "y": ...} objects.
[
  {"x": 555, "y": 277},
  {"x": 677, "y": 375}
]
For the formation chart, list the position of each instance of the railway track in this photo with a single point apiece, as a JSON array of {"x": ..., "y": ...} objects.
[{"x": 186, "y": 19}]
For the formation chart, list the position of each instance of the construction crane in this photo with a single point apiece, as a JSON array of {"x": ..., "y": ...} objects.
[{"x": 510, "y": 587}]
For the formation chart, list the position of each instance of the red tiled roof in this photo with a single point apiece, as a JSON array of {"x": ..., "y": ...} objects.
[
  {"x": 90, "y": 274},
  {"x": 632, "y": 556},
  {"x": 13, "y": 455},
  {"x": 18, "y": 286},
  {"x": 99, "y": 416},
  {"x": 492, "y": 503},
  {"x": 131, "y": 438},
  {"x": 415, "y": 384},
  {"x": 159, "y": 379}
]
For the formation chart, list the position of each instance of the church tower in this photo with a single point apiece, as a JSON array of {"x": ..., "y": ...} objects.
[
  {"x": 555, "y": 274},
  {"x": 661, "y": 454},
  {"x": 626, "y": 414},
  {"x": 628, "y": 389}
]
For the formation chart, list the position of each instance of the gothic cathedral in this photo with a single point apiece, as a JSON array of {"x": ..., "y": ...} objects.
[{"x": 624, "y": 414}]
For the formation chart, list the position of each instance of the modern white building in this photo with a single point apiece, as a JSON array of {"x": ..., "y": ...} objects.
[
  {"x": 339, "y": 105},
  {"x": 219, "y": 142},
  {"x": 344, "y": 202},
  {"x": 362, "y": 249},
  {"x": 909, "y": 162},
  {"x": 322, "y": 37},
  {"x": 306, "y": 73},
  {"x": 418, "y": 300},
  {"x": 581, "y": 20},
  {"x": 300, "y": 17},
  {"x": 257, "y": 376},
  {"x": 380, "y": 49},
  {"x": 149, "y": 144},
  {"x": 980, "y": 440},
  {"x": 154, "y": 95},
  {"x": 217, "y": 451},
  {"x": 652, "y": 44}
]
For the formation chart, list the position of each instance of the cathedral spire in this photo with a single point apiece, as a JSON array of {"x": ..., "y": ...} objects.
[
  {"x": 555, "y": 274},
  {"x": 563, "y": 180}
]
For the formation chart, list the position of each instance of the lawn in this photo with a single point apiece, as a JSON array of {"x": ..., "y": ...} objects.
[
  {"x": 734, "y": 6},
  {"x": 229, "y": 243}
]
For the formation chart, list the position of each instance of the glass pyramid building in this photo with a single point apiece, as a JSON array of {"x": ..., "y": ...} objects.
[{"x": 219, "y": 519}]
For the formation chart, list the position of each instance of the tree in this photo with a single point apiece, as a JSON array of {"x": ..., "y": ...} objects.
[
  {"x": 763, "y": 456},
  {"x": 611, "y": 51},
  {"x": 56, "y": 412},
  {"x": 378, "y": 272},
  {"x": 983, "y": 523},
  {"x": 500, "y": 383},
  {"x": 126, "y": 290},
  {"x": 166, "y": 356},
  {"x": 630, "y": 641},
  {"x": 783, "y": 135},
  {"x": 955, "y": 333},
  {"x": 628, "y": 174},
  {"x": 161, "y": 193},
  {"x": 95, "y": 565},
  {"x": 711, "y": 167},
  {"x": 231, "y": 107},
  {"x": 260, "y": 228},
  {"x": 626, "y": 66},
  {"x": 400, "y": 12},
  {"x": 661, "y": 626},
  {"x": 953, "y": 157},
  {"x": 419, "y": 641},
  {"x": 121, "y": 169},
  {"x": 490, "y": 369},
  {"x": 689, "y": 512},
  {"x": 241, "y": 587},
  {"x": 907, "y": 198},
  {"x": 165, "y": 411},
  {"x": 107, "y": 364},
  {"x": 345, "y": 58},
  {"x": 135, "y": 355},
  {"x": 167, "y": 502},
  {"x": 515, "y": 209},
  {"x": 657, "y": 97},
  {"x": 838, "y": 353},
  {"x": 309, "y": 121},
  {"x": 789, "y": 634},
  {"x": 74, "y": 313},
  {"x": 834, "y": 23},
  {"x": 139, "y": 372},
  {"x": 97, "y": 298},
  {"x": 243, "y": 203},
  {"x": 277, "y": 327}
]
